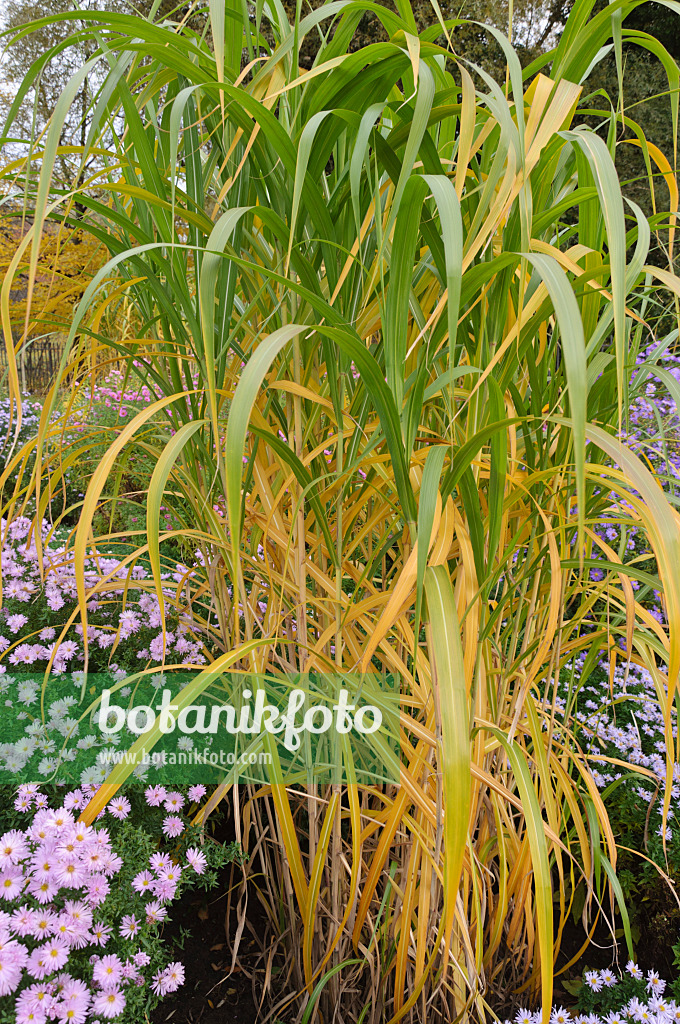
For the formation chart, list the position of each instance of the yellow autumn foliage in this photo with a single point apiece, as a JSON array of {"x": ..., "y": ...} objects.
[{"x": 67, "y": 262}]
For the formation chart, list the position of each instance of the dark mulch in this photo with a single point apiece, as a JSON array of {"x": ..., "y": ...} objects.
[
  {"x": 655, "y": 918},
  {"x": 213, "y": 994},
  {"x": 210, "y": 994}
]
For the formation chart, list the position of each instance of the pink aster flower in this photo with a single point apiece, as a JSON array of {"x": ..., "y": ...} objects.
[
  {"x": 70, "y": 875},
  {"x": 109, "y": 1004},
  {"x": 66, "y": 849},
  {"x": 129, "y": 623},
  {"x": 28, "y": 789},
  {"x": 120, "y": 807},
  {"x": 39, "y": 828},
  {"x": 67, "y": 649},
  {"x": 196, "y": 792},
  {"x": 156, "y": 647},
  {"x": 83, "y": 836},
  {"x": 158, "y": 983},
  {"x": 655, "y": 984},
  {"x": 142, "y": 882},
  {"x": 129, "y": 971},
  {"x": 74, "y": 800},
  {"x": 44, "y": 863},
  {"x": 22, "y": 921},
  {"x": 10, "y": 976},
  {"x": 64, "y": 928},
  {"x": 15, "y": 622},
  {"x": 44, "y": 891},
  {"x": 197, "y": 860},
  {"x": 160, "y": 861},
  {"x": 58, "y": 820},
  {"x": 99, "y": 934},
  {"x": 98, "y": 889},
  {"x": 42, "y": 923},
  {"x": 79, "y": 912},
  {"x": 111, "y": 863},
  {"x": 593, "y": 980},
  {"x": 13, "y": 848},
  {"x": 129, "y": 926},
  {"x": 72, "y": 1013},
  {"x": 155, "y": 912},
  {"x": 164, "y": 889},
  {"x": 11, "y": 883},
  {"x": 13, "y": 957},
  {"x": 108, "y": 971},
  {"x": 155, "y": 795},
  {"x": 25, "y": 654},
  {"x": 174, "y": 802},
  {"x": 53, "y": 954},
  {"x": 173, "y": 873},
  {"x": 36, "y": 999},
  {"x": 174, "y": 976},
  {"x": 76, "y": 996},
  {"x": 26, "y": 1016},
  {"x": 173, "y": 826}
]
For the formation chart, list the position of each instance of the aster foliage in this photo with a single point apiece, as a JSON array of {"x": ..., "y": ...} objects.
[
  {"x": 79, "y": 923},
  {"x": 616, "y": 997},
  {"x": 611, "y": 997}
]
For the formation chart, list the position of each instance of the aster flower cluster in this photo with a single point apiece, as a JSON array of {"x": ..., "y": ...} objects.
[
  {"x": 30, "y": 420},
  {"x": 625, "y": 723},
  {"x": 117, "y": 392},
  {"x": 653, "y": 426},
  {"x": 134, "y": 627},
  {"x": 97, "y": 411},
  {"x": 31, "y": 411},
  {"x": 110, "y": 403},
  {"x": 66, "y": 890},
  {"x": 654, "y": 415},
  {"x": 619, "y": 998},
  {"x": 608, "y": 997}
]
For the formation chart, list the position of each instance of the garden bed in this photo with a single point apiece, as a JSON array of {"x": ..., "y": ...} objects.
[
  {"x": 370, "y": 395},
  {"x": 201, "y": 936}
]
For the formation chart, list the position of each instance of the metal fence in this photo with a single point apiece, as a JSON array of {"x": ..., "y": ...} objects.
[{"x": 37, "y": 362}]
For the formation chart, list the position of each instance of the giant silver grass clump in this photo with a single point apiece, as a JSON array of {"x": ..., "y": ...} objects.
[{"x": 389, "y": 310}]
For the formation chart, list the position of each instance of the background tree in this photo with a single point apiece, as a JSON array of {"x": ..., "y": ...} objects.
[
  {"x": 646, "y": 101},
  {"x": 536, "y": 26},
  {"x": 76, "y": 45}
]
